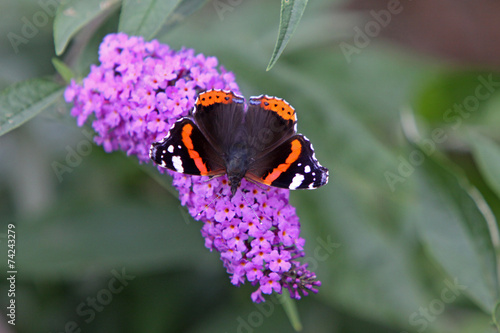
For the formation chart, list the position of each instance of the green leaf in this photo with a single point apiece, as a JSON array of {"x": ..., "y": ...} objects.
[
  {"x": 291, "y": 13},
  {"x": 63, "y": 70},
  {"x": 291, "y": 310},
  {"x": 146, "y": 18},
  {"x": 72, "y": 15},
  {"x": 456, "y": 232},
  {"x": 23, "y": 100},
  {"x": 495, "y": 316},
  {"x": 442, "y": 97},
  {"x": 487, "y": 155}
]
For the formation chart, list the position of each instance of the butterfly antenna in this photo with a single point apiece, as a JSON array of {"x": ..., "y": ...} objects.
[
  {"x": 212, "y": 177},
  {"x": 211, "y": 202},
  {"x": 259, "y": 185}
]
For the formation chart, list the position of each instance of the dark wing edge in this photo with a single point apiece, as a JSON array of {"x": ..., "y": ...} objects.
[
  {"x": 185, "y": 149},
  {"x": 291, "y": 165}
]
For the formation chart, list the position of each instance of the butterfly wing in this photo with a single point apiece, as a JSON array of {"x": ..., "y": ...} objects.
[
  {"x": 186, "y": 150},
  {"x": 291, "y": 165},
  {"x": 269, "y": 121},
  {"x": 219, "y": 116}
]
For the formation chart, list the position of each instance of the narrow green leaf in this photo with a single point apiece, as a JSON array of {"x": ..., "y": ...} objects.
[
  {"x": 291, "y": 310},
  {"x": 291, "y": 13},
  {"x": 495, "y": 316},
  {"x": 147, "y": 17},
  {"x": 63, "y": 70},
  {"x": 456, "y": 227},
  {"x": 72, "y": 15},
  {"x": 23, "y": 100},
  {"x": 487, "y": 155}
]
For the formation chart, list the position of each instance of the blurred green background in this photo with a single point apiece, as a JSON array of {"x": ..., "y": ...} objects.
[{"x": 404, "y": 237}]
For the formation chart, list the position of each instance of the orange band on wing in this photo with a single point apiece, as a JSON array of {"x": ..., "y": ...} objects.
[
  {"x": 186, "y": 139},
  {"x": 210, "y": 97},
  {"x": 294, "y": 155},
  {"x": 281, "y": 107}
]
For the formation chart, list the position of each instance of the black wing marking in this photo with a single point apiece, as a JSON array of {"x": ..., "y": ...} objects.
[{"x": 186, "y": 150}]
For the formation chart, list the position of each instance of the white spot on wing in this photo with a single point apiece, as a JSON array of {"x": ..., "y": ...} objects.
[
  {"x": 170, "y": 149},
  {"x": 176, "y": 160},
  {"x": 307, "y": 169},
  {"x": 296, "y": 181}
]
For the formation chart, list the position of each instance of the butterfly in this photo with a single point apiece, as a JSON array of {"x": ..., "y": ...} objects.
[{"x": 258, "y": 142}]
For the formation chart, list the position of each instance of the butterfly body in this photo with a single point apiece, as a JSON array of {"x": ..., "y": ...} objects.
[
  {"x": 259, "y": 143},
  {"x": 237, "y": 161}
]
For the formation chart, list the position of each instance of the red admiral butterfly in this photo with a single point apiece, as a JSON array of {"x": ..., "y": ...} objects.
[{"x": 260, "y": 143}]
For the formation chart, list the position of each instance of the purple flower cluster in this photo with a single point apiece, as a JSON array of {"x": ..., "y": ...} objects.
[
  {"x": 133, "y": 97},
  {"x": 140, "y": 89},
  {"x": 256, "y": 232}
]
